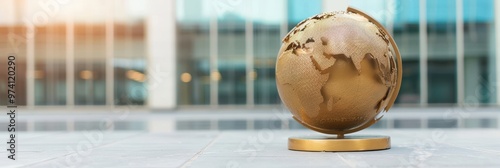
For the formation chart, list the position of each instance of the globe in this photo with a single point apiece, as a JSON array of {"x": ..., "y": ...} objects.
[{"x": 338, "y": 72}]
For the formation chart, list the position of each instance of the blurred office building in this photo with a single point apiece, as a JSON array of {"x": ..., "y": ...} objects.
[{"x": 166, "y": 54}]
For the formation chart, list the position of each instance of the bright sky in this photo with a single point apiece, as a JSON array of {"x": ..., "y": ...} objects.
[
  {"x": 266, "y": 11},
  {"x": 90, "y": 11}
]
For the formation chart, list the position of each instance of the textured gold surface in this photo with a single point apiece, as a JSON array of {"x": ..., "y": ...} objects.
[
  {"x": 349, "y": 143},
  {"x": 337, "y": 72}
]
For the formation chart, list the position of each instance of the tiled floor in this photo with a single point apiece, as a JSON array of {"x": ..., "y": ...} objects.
[{"x": 264, "y": 148}]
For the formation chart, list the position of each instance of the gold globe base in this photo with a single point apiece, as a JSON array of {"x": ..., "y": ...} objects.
[{"x": 341, "y": 144}]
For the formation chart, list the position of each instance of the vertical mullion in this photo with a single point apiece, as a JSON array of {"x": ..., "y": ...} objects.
[
  {"x": 49, "y": 65},
  {"x": 389, "y": 16},
  {"x": 423, "y": 53},
  {"x": 460, "y": 52},
  {"x": 284, "y": 24},
  {"x": 497, "y": 50},
  {"x": 214, "y": 98},
  {"x": 30, "y": 64},
  {"x": 250, "y": 74},
  {"x": 70, "y": 60},
  {"x": 89, "y": 61},
  {"x": 109, "y": 54}
]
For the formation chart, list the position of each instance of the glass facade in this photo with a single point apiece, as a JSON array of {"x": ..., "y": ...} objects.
[
  {"x": 247, "y": 38},
  {"x": 72, "y": 52},
  {"x": 429, "y": 51},
  {"x": 406, "y": 34},
  {"x": 442, "y": 47},
  {"x": 193, "y": 54},
  {"x": 90, "y": 53},
  {"x": 479, "y": 51}
]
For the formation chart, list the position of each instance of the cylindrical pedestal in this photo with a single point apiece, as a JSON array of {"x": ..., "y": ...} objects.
[{"x": 333, "y": 144}]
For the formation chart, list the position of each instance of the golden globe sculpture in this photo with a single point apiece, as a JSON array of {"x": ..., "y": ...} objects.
[{"x": 338, "y": 73}]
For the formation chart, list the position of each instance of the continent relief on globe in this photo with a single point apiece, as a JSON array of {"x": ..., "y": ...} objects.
[{"x": 336, "y": 72}]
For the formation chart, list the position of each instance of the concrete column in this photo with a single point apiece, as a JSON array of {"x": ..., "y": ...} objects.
[{"x": 161, "y": 50}]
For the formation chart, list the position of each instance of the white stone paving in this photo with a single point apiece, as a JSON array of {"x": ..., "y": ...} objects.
[{"x": 264, "y": 148}]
